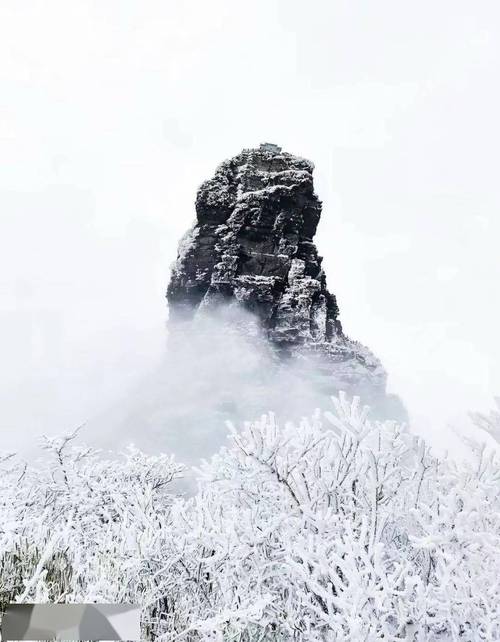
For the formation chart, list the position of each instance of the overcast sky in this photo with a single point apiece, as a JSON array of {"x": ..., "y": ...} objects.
[{"x": 113, "y": 111}]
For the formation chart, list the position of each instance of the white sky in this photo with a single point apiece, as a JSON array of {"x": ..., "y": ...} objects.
[{"x": 113, "y": 111}]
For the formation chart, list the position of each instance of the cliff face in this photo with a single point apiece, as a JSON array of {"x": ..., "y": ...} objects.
[{"x": 252, "y": 247}]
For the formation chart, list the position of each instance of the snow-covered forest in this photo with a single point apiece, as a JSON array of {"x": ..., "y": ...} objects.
[{"x": 340, "y": 528}]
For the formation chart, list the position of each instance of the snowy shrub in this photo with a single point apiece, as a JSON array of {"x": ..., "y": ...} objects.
[
  {"x": 490, "y": 422},
  {"x": 83, "y": 528},
  {"x": 335, "y": 529}
]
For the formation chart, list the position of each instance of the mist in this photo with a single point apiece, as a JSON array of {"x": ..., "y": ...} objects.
[
  {"x": 217, "y": 368},
  {"x": 113, "y": 114}
]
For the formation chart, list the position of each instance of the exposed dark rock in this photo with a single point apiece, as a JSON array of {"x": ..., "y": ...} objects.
[{"x": 252, "y": 246}]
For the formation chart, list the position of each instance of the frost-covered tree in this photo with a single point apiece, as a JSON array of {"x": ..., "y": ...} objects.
[
  {"x": 339, "y": 528},
  {"x": 490, "y": 422}
]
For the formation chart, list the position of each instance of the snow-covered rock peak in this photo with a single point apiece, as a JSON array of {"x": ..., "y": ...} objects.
[{"x": 252, "y": 246}]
